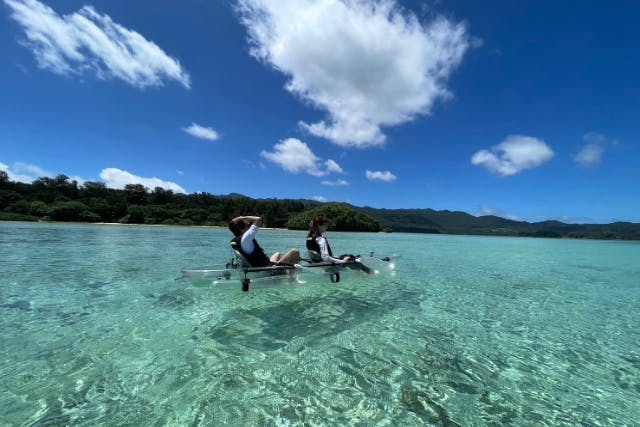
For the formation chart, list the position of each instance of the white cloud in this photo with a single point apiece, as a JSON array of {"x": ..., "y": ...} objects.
[
  {"x": 27, "y": 173},
  {"x": 319, "y": 199},
  {"x": 589, "y": 156},
  {"x": 513, "y": 155},
  {"x": 77, "y": 179},
  {"x": 485, "y": 210},
  {"x": 117, "y": 178},
  {"x": 591, "y": 153},
  {"x": 88, "y": 41},
  {"x": 336, "y": 183},
  {"x": 31, "y": 170},
  {"x": 385, "y": 176},
  {"x": 333, "y": 167},
  {"x": 202, "y": 132},
  {"x": 24, "y": 172},
  {"x": 295, "y": 156},
  {"x": 367, "y": 63}
]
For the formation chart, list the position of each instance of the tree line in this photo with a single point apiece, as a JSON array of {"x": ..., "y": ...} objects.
[
  {"x": 448, "y": 222},
  {"x": 63, "y": 199}
]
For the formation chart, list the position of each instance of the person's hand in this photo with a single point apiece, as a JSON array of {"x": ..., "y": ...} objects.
[{"x": 347, "y": 258}]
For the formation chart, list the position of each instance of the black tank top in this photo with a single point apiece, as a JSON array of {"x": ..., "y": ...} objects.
[{"x": 257, "y": 258}]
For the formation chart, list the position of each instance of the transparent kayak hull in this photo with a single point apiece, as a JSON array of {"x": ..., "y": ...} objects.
[
  {"x": 232, "y": 275},
  {"x": 221, "y": 275}
]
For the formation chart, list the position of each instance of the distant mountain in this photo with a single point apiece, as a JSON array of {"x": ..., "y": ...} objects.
[
  {"x": 448, "y": 222},
  {"x": 63, "y": 199}
]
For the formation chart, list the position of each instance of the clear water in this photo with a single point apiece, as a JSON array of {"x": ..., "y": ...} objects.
[{"x": 96, "y": 330}]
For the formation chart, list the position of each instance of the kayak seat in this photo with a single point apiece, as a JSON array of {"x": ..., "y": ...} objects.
[{"x": 242, "y": 261}]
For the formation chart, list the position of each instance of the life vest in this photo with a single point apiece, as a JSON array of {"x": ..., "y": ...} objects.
[
  {"x": 313, "y": 245},
  {"x": 257, "y": 258}
]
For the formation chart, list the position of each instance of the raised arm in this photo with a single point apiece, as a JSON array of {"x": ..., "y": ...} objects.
[{"x": 250, "y": 219}]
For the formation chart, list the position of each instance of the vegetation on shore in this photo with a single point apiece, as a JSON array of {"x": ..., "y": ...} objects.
[
  {"x": 62, "y": 199},
  {"x": 341, "y": 218},
  {"x": 447, "y": 222}
]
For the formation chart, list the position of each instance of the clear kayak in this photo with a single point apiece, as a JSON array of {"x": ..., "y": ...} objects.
[
  {"x": 235, "y": 272},
  {"x": 230, "y": 274}
]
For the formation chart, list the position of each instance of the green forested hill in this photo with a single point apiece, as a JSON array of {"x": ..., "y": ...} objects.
[
  {"x": 447, "y": 222},
  {"x": 341, "y": 217},
  {"x": 61, "y": 199}
]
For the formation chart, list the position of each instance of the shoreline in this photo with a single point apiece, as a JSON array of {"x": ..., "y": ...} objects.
[
  {"x": 135, "y": 225},
  {"x": 287, "y": 229}
]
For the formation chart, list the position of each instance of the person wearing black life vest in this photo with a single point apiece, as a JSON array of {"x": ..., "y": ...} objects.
[
  {"x": 318, "y": 243},
  {"x": 244, "y": 229}
]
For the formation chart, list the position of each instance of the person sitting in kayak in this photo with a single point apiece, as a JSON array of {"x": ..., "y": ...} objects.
[
  {"x": 244, "y": 229},
  {"x": 319, "y": 248},
  {"x": 319, "y": 245}
]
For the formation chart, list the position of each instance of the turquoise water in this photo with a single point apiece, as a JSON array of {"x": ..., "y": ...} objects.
[{"x": 96, "y": 330}]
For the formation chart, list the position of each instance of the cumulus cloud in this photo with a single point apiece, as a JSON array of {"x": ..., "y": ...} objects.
[
  {"x": 295, "y": 156},
  {"x": 591, "y": 154},
  {"x": 333, "y": 167},
  {"x": 367, "y": 63},
  {"x": 385, "y": 176},
  {"x": 319, "y": 199},
  {"x": 117, "y": 178},
  {"x": 80, "y": 180},
  {"x": 202, "y": 132},
  {"x": 336, "y": 183},
  {"x": 86, "y": 41},
  {"x": 513, "y": 155},
  {"x": 24, "y": 172}
]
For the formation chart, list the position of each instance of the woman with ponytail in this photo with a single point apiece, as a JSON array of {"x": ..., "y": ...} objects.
[{"x": 317, "y": 243}]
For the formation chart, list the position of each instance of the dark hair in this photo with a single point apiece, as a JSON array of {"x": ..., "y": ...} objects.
[
  {"x": 236, "y": 227},
  {"x": 315, "y": 222}
]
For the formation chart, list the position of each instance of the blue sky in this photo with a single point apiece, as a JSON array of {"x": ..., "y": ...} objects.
[{"x": 528, "y": 110}]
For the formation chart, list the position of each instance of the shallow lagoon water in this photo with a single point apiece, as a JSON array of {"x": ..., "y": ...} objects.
[{"x": 97, "y": 329}]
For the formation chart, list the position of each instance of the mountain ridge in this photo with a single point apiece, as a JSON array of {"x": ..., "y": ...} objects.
[{"x": 457, "y": 222}]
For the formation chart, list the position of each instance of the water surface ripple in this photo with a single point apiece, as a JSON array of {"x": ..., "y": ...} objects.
[{"x": 98, "y": 329}]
